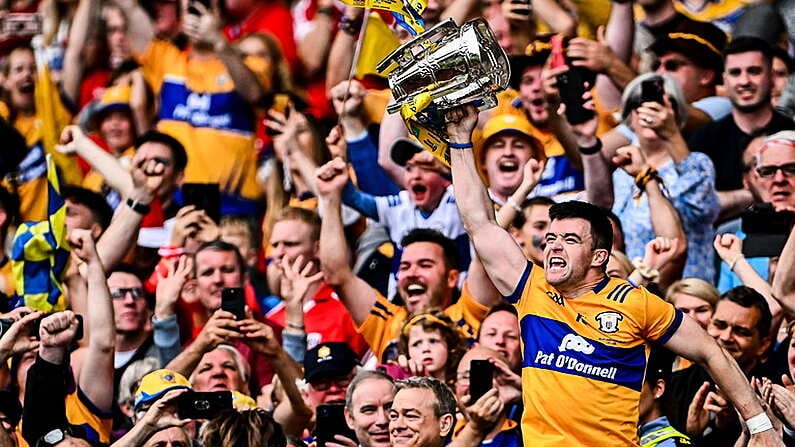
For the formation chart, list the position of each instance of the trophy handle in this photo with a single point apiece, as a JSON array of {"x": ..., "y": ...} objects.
[{"x": 411, "y": 49}]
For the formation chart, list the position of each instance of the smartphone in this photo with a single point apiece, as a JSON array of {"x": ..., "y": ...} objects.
[
  {"x": 280, "y": 104},
  {"x": 203, "y": 405},
  {"x": 22, "y": 24},
  {"x": 330, "y": 421},
  {"x": 37, "y": 325},
  {"x": 571, "y": 84},
  {"x": 481, "y": 379},
  {"x": 652, "y": 90},
  {"x": 233, "y": 299},
  {"x": 5, "y": 325},
  {"x": 766, "y": 231},
  {"x": 204, "y": 196}
]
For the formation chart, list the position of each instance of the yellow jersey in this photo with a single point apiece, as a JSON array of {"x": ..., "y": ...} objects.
[
  {"x": 382, "y": 327},
  {"x": 584, "y": 359},
  {"x": 200, "y": 107}
]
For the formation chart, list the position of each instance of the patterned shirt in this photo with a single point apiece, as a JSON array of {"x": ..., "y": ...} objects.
[{"x": 691, "y": 190}]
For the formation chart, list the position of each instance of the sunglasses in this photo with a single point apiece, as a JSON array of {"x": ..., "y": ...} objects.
[
  {"x": 671, "y": 65},
  {"x": 769, "y": 171},
  {"x": 325, "y": 384},
  {"x": 118, "y": 293}
]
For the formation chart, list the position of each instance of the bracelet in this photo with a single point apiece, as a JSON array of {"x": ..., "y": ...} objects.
[
  {"x": 512, "y": 203},
  {"x": 460, "y": 145},
  {"x": 758, "y": 424},
  {"x": 349, "y": 26},
  {"x": 138, "y": 207},
  {"x": 326, "y": 11},
  {"x": 733, "y": 262},
  {"x": 643, "y": 179},
  {"x": 590, "y": 150},
  {"x": 170, "y": 251},
  {"x": 299, "y": 327},
  {"x": 646, "y": 272}
]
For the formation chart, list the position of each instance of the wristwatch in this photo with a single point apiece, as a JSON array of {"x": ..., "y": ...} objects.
[
  {"x": 52, "y": 437},
  {"x": 138, "y": 207}
]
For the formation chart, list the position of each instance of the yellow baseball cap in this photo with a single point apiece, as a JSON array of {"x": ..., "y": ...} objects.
[
  {"x": 510, "y": 122},
  {"x": 156, "y": 384}
]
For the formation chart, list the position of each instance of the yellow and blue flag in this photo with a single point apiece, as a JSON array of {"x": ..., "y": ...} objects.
[
  {"x": 40, "y": 253},
  {"x": 407, "y": 12}
]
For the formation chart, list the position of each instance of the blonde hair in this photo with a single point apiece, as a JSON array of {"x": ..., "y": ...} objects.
[
  {"x": 696, "y": 287},
  {"x": 623, "y": 262}
]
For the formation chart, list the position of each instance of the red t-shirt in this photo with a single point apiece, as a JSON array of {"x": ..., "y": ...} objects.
[
  {"x": 273, "y": 18},
  {"x": 326, "y": 320}
]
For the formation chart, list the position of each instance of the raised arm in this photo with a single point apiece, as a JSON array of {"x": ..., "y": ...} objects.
[
  {"x": 206, "y": 27},
  {"x": 84, "y": 20},
  {"x": 96, "y": 372},
  {"x": 340, "y": 52},
  {"x": 784, "y": 281},
  {"x": 74, "y": 141},
  {"x": 692, "y": 342},
  {"x": 314, "y": 46},
  {"x": 502, "y": 259},
  {"x": 730, "y": 249},
  {"x": 140, "y": 30},
  {"x": 357, "y": 296}
]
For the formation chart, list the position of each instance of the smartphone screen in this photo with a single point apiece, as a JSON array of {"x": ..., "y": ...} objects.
[
  {"x": 204, "y": 196},
  {"x": 233, "y": 300},
  {"x": 203, "y": 405},
  {"x": 331, "y": 421},
  {"x": 652, "y": 90},
  {"x": 481, "y": 379}
]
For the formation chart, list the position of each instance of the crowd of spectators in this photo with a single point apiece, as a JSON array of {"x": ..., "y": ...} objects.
[{"x": 246, "y": 220}]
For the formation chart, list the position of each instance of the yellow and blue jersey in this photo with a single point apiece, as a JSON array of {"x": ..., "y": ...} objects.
[
  {"x": 592, "y": 351},
  {"x": 200, "y": 107}
]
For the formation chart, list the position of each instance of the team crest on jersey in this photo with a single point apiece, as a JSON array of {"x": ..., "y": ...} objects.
[{"x": 608, "y": 321}]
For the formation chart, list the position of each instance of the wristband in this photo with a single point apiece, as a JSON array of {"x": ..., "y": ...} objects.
[
  {"x": 138, "y": 207},
  {"x": 733, "y": 262},
  {"x": 326, "y": 11},
  {"x": 299, "y": 327},
  {"x": 590, "y": 150},
  {"x": 460, "y": 145},
  {"x": 512, "y": 203},
  {"x": 171, "y": 251},
  {"x": 758, "y": 424},
  {"x": 349, "y": 26}
]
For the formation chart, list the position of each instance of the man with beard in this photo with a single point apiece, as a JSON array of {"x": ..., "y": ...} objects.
[
  {"x": 427, "y": 276},
  {"x": 584, "y": 335},
  {"x": 747, "y": 77}
]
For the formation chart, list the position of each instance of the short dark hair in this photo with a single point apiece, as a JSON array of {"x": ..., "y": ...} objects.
[
  {"x": 219, "y": 245},
  {"x": 101, "y": 212},
  {"x": 445, "y": 400},
  {"x": 747, "y": 44},
  {"x": 449, "y": 248},
  {"x": 176, "y": 148},
  {"x": 748, "y": 298},
  {"x": 502, "y": 306},
  {"x": 601, "y": 231},
  {"x": 521, "y": 219}
]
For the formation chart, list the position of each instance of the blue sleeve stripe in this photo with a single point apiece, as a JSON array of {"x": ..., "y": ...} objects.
[
  {"x": 671, "y": 329},
  {"x": 517, "y": 292}
]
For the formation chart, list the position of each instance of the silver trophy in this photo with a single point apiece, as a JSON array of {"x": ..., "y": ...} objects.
[{"x": 455, "y": 65}]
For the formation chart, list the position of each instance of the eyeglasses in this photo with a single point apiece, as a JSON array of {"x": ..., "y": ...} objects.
[
  {"x": 118, "y": 293},
  {"x": 671, "y": 65},
  {"x": 769, "y": 171},
  {"x": 325, "y": 384}
]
